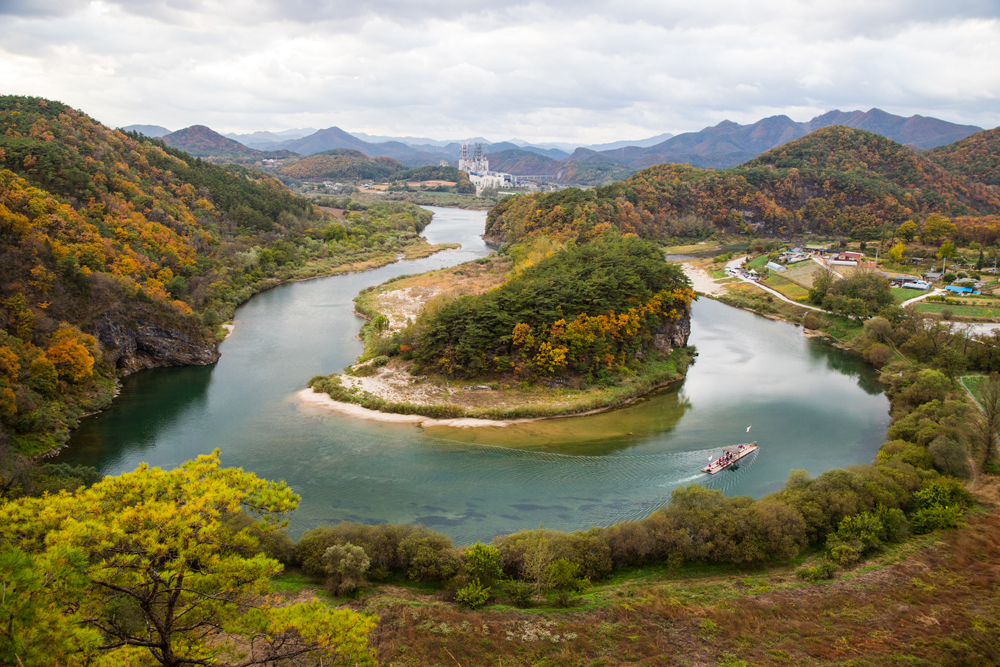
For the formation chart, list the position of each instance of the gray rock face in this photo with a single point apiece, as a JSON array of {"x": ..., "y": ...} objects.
[
  {"x": 133, "y": 348},
  {"x": 673, "y": 334}
]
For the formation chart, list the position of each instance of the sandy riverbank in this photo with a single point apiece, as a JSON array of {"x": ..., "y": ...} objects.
[{"x": 309, "y": 397}]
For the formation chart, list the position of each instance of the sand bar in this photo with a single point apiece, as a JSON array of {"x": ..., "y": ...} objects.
[{"x": 309, "y": 397}]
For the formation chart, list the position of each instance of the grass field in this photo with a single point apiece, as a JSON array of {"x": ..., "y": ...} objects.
[
  {"x": 901, "y": 294},
  {"x": 803, "y": 273},
  {"x": 786, "y": 287},
  {"x": 964, "y": 311}
]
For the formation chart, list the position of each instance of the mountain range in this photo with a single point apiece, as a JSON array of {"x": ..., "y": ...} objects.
[{"x": 721, "y": 146}]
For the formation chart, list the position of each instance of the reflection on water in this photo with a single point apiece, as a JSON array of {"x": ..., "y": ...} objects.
[
  {"x": 603, "y": 433},
  {"x": 148, "y": 404},
  {"x": 810, "y": 406}
]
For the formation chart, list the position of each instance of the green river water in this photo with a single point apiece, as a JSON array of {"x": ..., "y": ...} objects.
[{"x": 809, "y": 406}]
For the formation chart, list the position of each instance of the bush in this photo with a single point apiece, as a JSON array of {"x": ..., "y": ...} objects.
[
  {"x": 940, "y": 505},
  {"x": 474, "y": 595},
  {"x": 823, "y": 569},
  {"x": 483, "y": 562},
  {"x": 949, "y": 457},
  {"x": 938, "y": 517},
  {"x": 564, "y": 578},
  {"x": 812, "y": 321},
  {"x": 380, "y": 360},
  {"x": 429, "y": 556},
  {"x": 519, "y": 592},
  {"x": 878, "y": 354},
  {"x": 346, "y": 564}
]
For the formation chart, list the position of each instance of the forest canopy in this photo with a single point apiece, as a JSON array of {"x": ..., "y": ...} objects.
[{"x": 584, "y": 308}]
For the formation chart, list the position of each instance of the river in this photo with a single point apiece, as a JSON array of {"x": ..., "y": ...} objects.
[{"x": 808, "y": 405}]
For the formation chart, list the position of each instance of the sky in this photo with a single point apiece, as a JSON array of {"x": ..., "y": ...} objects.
[{"x": 581, "y": 71}]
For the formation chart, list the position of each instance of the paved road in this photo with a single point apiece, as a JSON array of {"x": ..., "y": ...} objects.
[{"x": 783, "y": 297}]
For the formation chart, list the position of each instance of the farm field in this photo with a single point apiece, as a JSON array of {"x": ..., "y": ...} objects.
[{"x": 786, "y": 287}]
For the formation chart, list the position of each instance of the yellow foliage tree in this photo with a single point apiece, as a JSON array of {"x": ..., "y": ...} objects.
[
  {"x": 9, "y": 364},
  {"x": 165, "y": 576},
  {"x": 68, "y": 352}
]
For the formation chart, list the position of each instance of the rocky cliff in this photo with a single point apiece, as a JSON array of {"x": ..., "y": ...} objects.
[
  {"x": 131, "y": 347},
  {"x": 674, "y": 333}
]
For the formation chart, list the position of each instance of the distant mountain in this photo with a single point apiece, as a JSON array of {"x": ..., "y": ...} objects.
[
  {"x": 977, "y": 157},
  {"x": 201, "y": 141},
  {"x": 522, "y": 162},
  {"x": 154, "y": 131},
  {"x": 262, "y": 140},
  {"x": 722, "y": 146},
  {"x": 729, "y": 144},
  {"x": 553, "y": 153},
  {"x": 641, "y": 143},
  {"x": 919, "y": 131}
]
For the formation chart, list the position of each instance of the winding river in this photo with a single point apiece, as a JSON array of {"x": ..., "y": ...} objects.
[{"x": 810, "y": 406}]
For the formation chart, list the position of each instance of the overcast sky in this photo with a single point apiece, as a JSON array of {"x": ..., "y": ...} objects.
[{"x": 560, "y": 70}]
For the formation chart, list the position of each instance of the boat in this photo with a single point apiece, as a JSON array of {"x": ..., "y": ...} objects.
[{"x": 730, "y": 455}]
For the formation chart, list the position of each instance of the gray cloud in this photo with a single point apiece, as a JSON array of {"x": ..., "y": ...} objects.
[{"x": 537, "y": 70}]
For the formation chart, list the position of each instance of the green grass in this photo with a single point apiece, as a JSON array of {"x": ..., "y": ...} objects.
[
  {"x": 901, "y": 294},
  {"x": 972, "y": 383},
  {"x": 966, "y": 311},
  {"x": 786, "y": 287},
  {"x": 842, "y": 328},
  {"x": 719, "y": 273},
  {"x": 758, "y": 262},
  {"x": 292, "y": 582}
]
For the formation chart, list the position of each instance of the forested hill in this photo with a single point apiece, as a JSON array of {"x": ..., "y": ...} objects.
[
  {"x": 835, "y": 180},
  {"x": 119, "y": 253},
  {"x": 341, "y": 163},
  {"x": 976, "y": 158},
  {"x": 201, "y": 141}
]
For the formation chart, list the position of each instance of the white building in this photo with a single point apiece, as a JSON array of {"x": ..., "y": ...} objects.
[{"x": 478, "y": 169}]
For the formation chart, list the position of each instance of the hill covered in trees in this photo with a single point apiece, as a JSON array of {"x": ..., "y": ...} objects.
[
  {"x": 977, "y": 157},
  {"x": 118, "y": 252},
  {"x": 341, "y": 163},
  {"x": 836, "y": 180},
  {"x": 201, "y": 141},
  {"x": 585, "y": 310}
]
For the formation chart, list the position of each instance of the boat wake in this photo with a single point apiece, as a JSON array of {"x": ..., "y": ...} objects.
[{"x": 633, "y": 486}]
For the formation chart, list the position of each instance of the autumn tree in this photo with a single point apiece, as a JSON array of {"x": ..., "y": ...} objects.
[
  {"x": 69, "y": 352},
  {"x": 896, "y": 253},
  {"x": 165, "y": 575},
  {"x": 907, "y": 231},
  {"x": 935, "y": 227}
]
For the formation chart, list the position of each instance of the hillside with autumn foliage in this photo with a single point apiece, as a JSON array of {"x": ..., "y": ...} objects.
[
  {"x": 836, "y": 180},
  {"x": 977, "y": 158},
  {"x": 341, "y": 163},
  {"x": 118, "y": 253}
]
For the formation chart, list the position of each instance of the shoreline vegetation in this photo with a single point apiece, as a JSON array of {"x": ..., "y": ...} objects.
[{"x": 497, "y": 405}]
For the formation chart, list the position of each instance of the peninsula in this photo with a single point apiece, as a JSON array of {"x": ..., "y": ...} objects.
[{"x": 538, "y": 331}]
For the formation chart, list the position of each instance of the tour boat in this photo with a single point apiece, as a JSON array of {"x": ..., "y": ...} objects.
[{"x": 730, "y": 455}]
